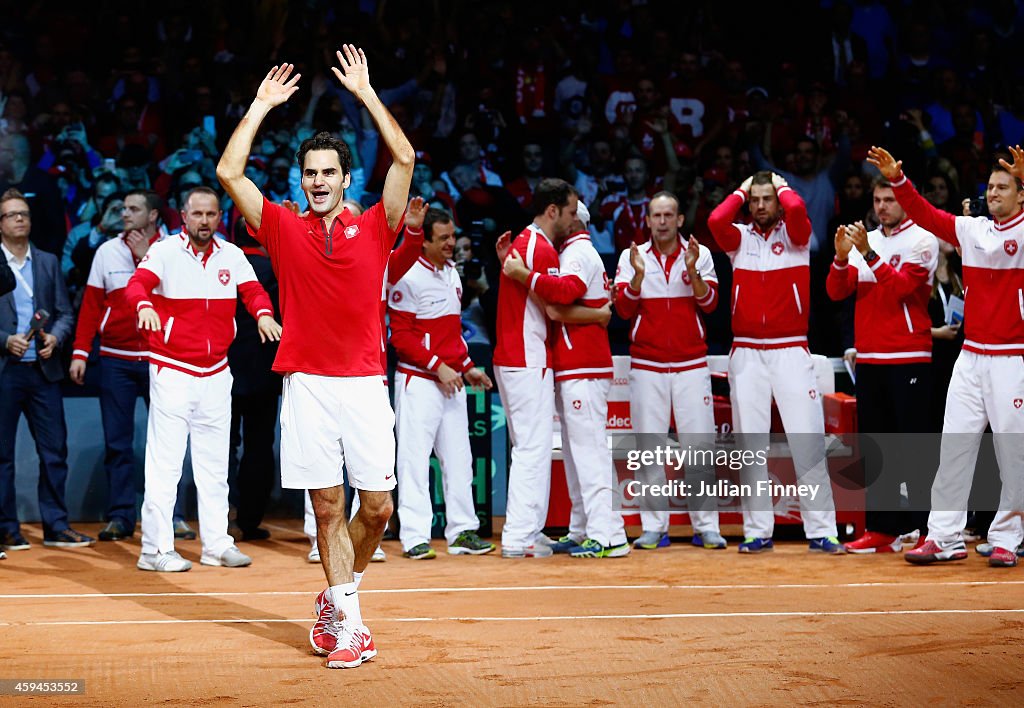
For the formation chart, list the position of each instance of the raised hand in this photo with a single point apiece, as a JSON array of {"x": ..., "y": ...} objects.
[
  {"x": 502, "y": 246},
  {"x": 842, "y": 243},
  {"x": 636, "y": 260},
  {"x": 890, "y": 168},
  {"x": 416, "y": 213},
  {"x": 276, "y": 87},
  {"x": 1017, "y": 167},
  {"x": 778, "y": 181},
  {"x": 857, "y": 235},
  {"x": 745, "y": 187},
  {"x": 354, "y": 74},
  {"x": 692, "y": 253}
]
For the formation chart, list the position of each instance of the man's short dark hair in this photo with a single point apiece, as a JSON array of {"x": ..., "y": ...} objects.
[
  {"x": 326, "y": 141},
  {"x": 113, "y": 196},
  {"x": 880, "y": 182},
  {"x": 551, "y": 191},
  {"x": 153, "y": 200},
  {"x": 201, "y": 189},
  {"x": 995, "y": 168},
  {"x": 434, "y": 216},
  {"x": 10, "y": 194},
  {"x": 762, "y": 177}
]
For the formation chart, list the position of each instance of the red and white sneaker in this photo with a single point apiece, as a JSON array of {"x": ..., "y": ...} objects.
[
  {"x": 935, "y": 551},
  {"x": 1002, "y": 558},
  {"x": 323, "y": 636},
  {"x": 355, "y": 645},
  {"x": 874, "y": 542}
]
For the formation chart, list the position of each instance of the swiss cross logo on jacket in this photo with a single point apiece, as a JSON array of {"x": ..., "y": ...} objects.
[
  {"x": 707, "y": 400},
  {"x": 351, "y": 231},
  {"x": 813, "y": 394},
  {"x": 224, "y": 276},
  {"x": 1010, "y": 246},
  {"x": 777, "y": 248},
  {"x": 895, "y": 261},
  {"x": 1018, "y": 402},
  {"x": 577, "y": 404},
  {"x": 396, "y": 296}
]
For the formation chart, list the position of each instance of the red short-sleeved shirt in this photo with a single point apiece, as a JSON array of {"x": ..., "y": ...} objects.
[{"x": 330, "y": 285}]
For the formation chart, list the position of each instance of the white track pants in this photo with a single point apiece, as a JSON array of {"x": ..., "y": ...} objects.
[
  {"x": 589, "y": 471},
  {"x": 654, "y": 397},
  {"x": 183, "y": 408},
  {"x": 984, "y": 390},
  {"x": 427, "y": 420},
  {"x": 755, "y": 376},
  {"x": 528, "y": 396}
]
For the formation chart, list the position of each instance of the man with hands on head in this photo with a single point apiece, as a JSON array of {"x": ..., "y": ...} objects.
[
  {"x": 335, "y": 409},
  {"x": 663, "y": 287},
  {"x": 576, "y": 301},
  {"x": 770, "y": 358},
  {"x": 430, "y": 400},
  {"x": 891, "y": 271},
  {"x": 987, "y": 387}
]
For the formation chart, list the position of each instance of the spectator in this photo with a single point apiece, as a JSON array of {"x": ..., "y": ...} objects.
[
  {"x": 627, "y": 210},
  {"x": 78, "y": 254},
  {"x": 532, "y": 168},
  {"x": 471, "y": 156},
  {"x": 30, "y": 372}
]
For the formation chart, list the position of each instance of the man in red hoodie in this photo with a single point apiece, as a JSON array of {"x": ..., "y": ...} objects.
[
  {"x": 184, "y": 292},
  {"x": 770, "y": 296}
]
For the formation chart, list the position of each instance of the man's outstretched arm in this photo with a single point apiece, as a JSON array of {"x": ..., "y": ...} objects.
[
  {"x": 355, "y": 76},
  {"x": 275, "y": 90}
]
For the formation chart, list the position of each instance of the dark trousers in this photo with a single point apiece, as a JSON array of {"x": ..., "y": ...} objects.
[
  {"x": 121, "y": 383},
  {"x": 253, "y": 417},
  {"x": 896, "y": 398},
  {"x": 24, "y": 389}
]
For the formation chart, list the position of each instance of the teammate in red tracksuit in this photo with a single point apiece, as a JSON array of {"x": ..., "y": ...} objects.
[
  {"x": 184, "y": 292},
  {"x": 770, "y": 359},
  {"x": 987, "y": 387},
  {"x": 891, "y": 271}
]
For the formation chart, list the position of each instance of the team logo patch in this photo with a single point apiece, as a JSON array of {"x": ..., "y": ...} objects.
[
  {"x": 224, "y": 276},
  {"x": 1018, "y": 402},
  {"x": 895, "y": 261},
  {"x": 1010, "y": 246},
  {"x": 577, "y": 404},
  {"x": 577, "y": 267},
  {"x": 813, "y": 394},
  {"x": 707, "y": 400},
  {"x": 396, "y": 296},
  {"x": 351, "y": 231},
  {"x": 777, "y": 248}
]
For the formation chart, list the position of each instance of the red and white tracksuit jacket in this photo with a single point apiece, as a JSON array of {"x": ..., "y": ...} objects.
[
  {"x": 195, "y": 296},
  {"x": 892, "y": 324},
  {"x": 666, "y": 333},
  {"x": 426, "y": 320},
  {"x": 522, "y": 325},
  {"x": 993, "y": 265},
  {"x": 771, "y": 273},
  {"x": 579, "y": 351},
  {"x": 105, "y": 307},
  {"x": 400, "y": 261}
]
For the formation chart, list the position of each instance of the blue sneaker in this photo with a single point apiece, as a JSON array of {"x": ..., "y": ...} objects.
[
  {"x": 565, "y": 544},
  {"x": 827, "y": 544},
  {"x": 711, "y": 540},
  {"x": 756, "y": 545},
  {"x": 649, "y": 540}
]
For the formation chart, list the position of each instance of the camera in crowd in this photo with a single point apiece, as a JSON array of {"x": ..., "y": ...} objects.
[{"x": 978, "y": 206}]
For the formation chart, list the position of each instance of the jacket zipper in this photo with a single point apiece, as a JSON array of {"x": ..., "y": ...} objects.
[{"x": 328, "y": 245}]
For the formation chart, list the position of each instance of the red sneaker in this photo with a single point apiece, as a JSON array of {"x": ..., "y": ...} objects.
[
  {"x": 921, "y": 540},
  {"x": 323, "y": 636},
  {"x": 1002, "y": 558},
  {"x": 874, "y": 542},
  {"x": 935, "y": 551},
  {"x": 355, "y": 645}
]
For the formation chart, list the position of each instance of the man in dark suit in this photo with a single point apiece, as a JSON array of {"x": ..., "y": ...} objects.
[{"x": 30, "y": 369}]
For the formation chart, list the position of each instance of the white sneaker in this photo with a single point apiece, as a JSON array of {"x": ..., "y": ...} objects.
[
  {"x": 314, "y": 555},
  {"x": 378, "y": 556},
  {"x": 231, "y": 558},
  {"x": 170, "y": 562}
]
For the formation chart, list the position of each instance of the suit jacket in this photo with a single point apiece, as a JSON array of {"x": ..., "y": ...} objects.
[
  {"x": 49, "y": 294},
  {"x": 7, "y": 281}
]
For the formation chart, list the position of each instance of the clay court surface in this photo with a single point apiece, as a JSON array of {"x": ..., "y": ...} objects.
[{"x": 658, "y": 628}]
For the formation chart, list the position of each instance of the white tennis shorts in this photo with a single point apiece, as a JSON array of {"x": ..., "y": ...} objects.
[{"x": 330, "y": 421}]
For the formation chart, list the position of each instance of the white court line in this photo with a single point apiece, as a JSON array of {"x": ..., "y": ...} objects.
[
  {"x": 542, "y": 618},
  {"x": 521, "y": 588}
]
